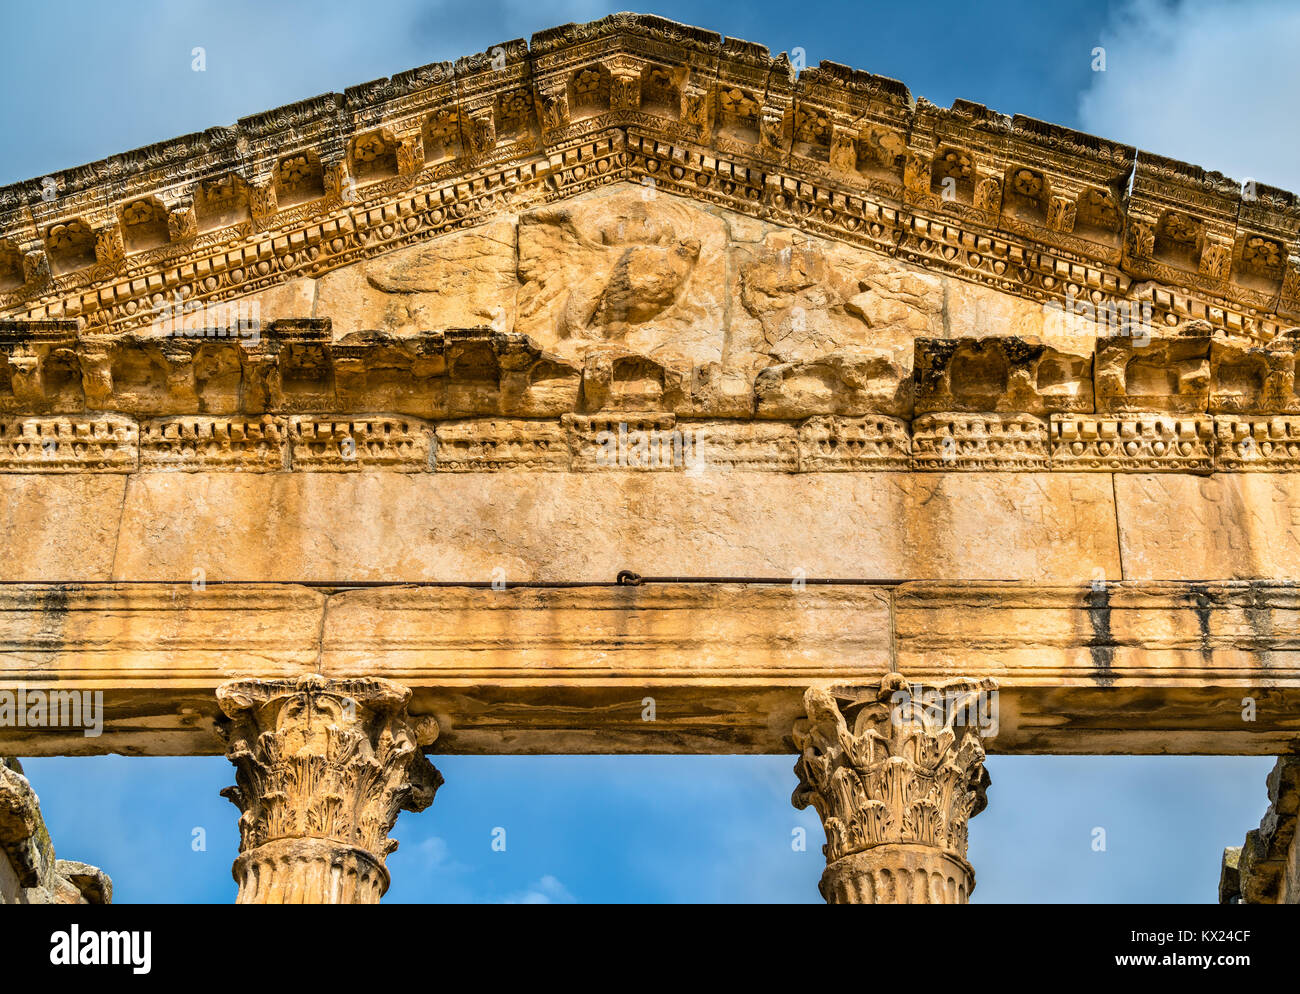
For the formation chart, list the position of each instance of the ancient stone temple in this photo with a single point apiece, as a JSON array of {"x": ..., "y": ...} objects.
[{"x": 627, "y": 391}]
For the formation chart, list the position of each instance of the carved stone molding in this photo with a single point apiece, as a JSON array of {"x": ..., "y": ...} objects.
[
  {"x": 979, "y": 442},
  {"x": 840, "y": 444},
  {"x": 323, "y": 767},
  {"x": 1136, "y": 443},
  {"x": 290, "y": 397},
  {"x": 895, "y": 775},
  {"x": 395, "y": 443}
]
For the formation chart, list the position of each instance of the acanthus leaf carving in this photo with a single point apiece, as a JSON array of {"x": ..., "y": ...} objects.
[
  {"x": 323, "y": 767},
  {"x": 895, "y": 776}
]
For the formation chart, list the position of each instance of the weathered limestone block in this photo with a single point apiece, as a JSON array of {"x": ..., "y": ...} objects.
[
  {"x": 845, "y": 382},
  {"x": 979, "y": 442},
  {"x": 1002, "y": 374},
  {"x": 1256, "y": 444},
  {"x": 896, "y": 790},
  {"x": 625, "y": 442},
  {"x": 1266, "y": 869},
  {"x": 193, "y": 443},
  {"x": 615, "y": 378},
  {"x": 1093, "y": 666},
  {"x": 736, "y": 445},
  {"x": 39, "y": 371},
  {"x": 147, "y": 635},
  {"x": 1052, "y": 527},
  {"x": 323, "y": 769},
  {"x": 59, "y": 528},
  {"x": 1148, "y": 443},
  {"x": 500, "y": 443},
  {"x": 828, "y": 444},
  {"x": 1224, "y": 526},
  {"x": 348, "y": 445},
  {"x": 1167, "y": 374},
  {"x": 29, "y": 873},
  {"x": 1249, "y": 378},
  {"x": 973, "y": 311},
  {"x": 651, "y": 633},
  {"x": 800, "y": 299},
  {"x": 69, "y": 444}
]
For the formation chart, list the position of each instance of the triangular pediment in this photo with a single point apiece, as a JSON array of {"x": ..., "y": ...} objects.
[
  {"x": 636, "y": 216},
  {"x": 1028, "y": 208}
]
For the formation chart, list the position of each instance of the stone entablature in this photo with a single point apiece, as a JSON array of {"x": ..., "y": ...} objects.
[
  {"x": 1028, "y": 208},
  {"x": 650, "y": 443},
  {"x": 1116, "y": 668},
  {"x": 478, "y": 400}
]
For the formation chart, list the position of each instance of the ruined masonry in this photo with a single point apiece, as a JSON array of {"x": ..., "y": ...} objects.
[{"x": 466, "y": 409}]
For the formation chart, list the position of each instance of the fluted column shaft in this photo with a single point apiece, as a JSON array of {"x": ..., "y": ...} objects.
[
  {"x": 322, "y": 769},
  {"x": 896, "y": 790}
]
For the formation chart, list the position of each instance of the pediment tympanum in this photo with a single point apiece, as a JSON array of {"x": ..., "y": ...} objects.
[{"x": 656, "y": 275}]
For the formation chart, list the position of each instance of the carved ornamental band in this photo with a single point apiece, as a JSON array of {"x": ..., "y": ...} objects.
[
  {"x": 323, "y": 768},
  {"x": 895, "y": 780}
]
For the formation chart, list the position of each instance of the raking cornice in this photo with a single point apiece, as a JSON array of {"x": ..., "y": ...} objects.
[{"x": 1028, "y": 208}]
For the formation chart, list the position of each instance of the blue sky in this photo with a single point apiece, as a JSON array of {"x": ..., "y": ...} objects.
[
  {"x": 675, "y": 828},
  {"x": 1210, "y": 83}
]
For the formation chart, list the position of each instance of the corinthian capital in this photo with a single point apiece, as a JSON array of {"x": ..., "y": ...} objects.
[
  {"x": 323, "y": 768},
  {"x": 896, "y": 777}
]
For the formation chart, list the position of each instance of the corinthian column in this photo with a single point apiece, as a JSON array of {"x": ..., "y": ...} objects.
[
  {"x": 323, "y": 767},
  {"x": 895, "y": 778}
]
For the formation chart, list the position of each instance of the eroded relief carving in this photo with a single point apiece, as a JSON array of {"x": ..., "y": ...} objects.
[{"x": 645, "y": 272}]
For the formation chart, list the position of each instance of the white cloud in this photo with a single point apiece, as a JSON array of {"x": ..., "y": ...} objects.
[
  {"x": 1213, "y": 84},
  {"x": 434, "y": 851},
  {"x": 548, "y": 890}
]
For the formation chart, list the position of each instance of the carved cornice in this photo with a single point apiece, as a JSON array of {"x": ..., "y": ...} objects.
[
  {"x": 290, "y": 398},
  {"x": 1029, "y": 208}
]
